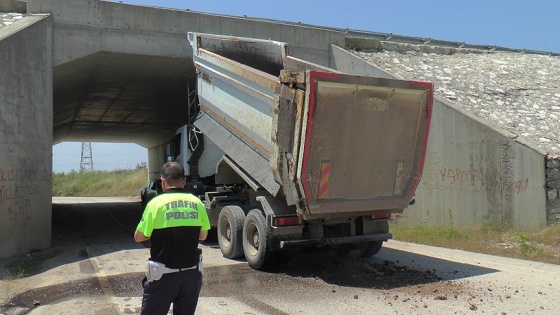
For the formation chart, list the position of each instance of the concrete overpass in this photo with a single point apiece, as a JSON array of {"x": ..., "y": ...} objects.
[
  {"x": 107, "y": 72},
  {"x": 121, "y": 73},
  {"x": 91, "y": 70}
]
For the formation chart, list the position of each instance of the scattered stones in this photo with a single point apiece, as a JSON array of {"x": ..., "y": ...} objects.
[
  {"x": 9, "y": 18},
  {"x": 552, "y": 191},
  {"x": 551, "y": 194}
]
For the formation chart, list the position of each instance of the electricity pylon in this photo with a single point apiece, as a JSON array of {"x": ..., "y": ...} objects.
[{"x": 86, "y": 162}]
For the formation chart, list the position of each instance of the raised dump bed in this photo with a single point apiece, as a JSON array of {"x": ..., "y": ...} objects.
[{"x": 325, "y": 157}]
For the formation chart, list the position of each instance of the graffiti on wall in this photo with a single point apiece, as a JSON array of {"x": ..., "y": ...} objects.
[
  {"x": 468, "y": 179},
  {"x": 18, "y": 187}
]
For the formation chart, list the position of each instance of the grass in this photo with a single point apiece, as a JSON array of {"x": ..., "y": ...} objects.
[
  {"x": 20, "y": 268},
  {"x": 100, "y": 183},
  {"x": 537, "y": 245}
]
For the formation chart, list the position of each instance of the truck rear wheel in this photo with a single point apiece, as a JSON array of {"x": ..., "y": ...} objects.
[
  {"x": 256, "y": 240},
  {"x": 368, "y": 249},
  {"x": 230, "y": 231},
  {"x": 343, "y": 249}
]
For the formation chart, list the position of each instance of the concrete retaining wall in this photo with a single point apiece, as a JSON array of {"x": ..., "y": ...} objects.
[
  {"x": 26, "y": 123},
  {"x": 474, "y": 174}
]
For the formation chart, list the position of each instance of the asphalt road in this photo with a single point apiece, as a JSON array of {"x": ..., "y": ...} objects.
[{"x": 95, "y": 267}]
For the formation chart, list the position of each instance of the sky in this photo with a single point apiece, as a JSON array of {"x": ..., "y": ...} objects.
[
  {"x": 521, "y": 24},
  {"x": 105, "y": 156},
  {"x": 531, "y": 24}
]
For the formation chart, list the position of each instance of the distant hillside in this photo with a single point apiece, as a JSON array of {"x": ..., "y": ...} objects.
[{"x": 100, "y": 183}]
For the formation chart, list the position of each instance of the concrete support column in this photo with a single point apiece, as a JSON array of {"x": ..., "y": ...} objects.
[
  {"x": 155, "y": 161},
  {"x": 26, "y": 126}
]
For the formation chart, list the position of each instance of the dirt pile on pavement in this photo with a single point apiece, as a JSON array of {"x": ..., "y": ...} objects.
[{"x": 353, "y": 271}]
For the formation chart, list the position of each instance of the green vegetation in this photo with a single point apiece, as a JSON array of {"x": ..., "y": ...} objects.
[
  {"x": 100, "y": 183},
  {"x": 20, "y": 268},
  {"x": 539, "y": 245},
  {"x": 525, "y": 245}
]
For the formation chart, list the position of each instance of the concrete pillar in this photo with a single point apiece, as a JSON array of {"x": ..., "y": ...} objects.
[
  {"x": 155, "y": 161},
  {"x": 26, "y": 125}
]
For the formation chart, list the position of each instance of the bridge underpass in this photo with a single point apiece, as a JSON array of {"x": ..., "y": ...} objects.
[
  {"x": 113, "y": 97},
  {"x": 122, "y": 98},
  {"x": 121, "y": 71},
  {"x": 104, "y": 72},
  {"x": 82, "y": 70}
]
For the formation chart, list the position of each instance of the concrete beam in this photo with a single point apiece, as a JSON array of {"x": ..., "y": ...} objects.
[{"x": 94, "y": 25}]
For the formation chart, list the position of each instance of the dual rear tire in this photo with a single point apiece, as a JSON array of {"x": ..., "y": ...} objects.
[
  {"x": 367, "y": 249},
  {"x": 244, "y": 235},
  {"x": 230, "y": 228},
  {"x": 256, "y": 240},
  {"x": 248, "y": 235}
]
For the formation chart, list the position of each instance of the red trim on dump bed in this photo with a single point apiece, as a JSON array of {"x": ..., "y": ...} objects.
[
  {"x": 416, "y": 181},
  {"x": 312, "y": 82}
]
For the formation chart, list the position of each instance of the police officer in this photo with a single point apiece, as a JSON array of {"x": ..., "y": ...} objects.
[{"x": 175, "y": 222}]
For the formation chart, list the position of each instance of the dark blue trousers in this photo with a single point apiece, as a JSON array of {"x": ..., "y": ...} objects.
[{"x": 180, "y": 288}]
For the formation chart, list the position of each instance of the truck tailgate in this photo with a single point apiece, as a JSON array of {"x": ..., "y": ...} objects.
[{"x": 364, "y": 142}]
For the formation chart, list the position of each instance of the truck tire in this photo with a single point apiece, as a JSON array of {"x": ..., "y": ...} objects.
[
  {"x": 256, "y": 240},
  {"x": 343, "y": 249},
  {"x": 369, "y": 249},
  {"x": 143, "y": 199},
  {"x": 230, "y": 231}
]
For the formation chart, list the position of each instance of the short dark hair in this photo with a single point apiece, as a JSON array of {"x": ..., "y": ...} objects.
[{"x": 172, "y": 170}]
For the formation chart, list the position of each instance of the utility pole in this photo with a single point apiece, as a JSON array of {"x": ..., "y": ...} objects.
[{"x": 86, "y": 162}]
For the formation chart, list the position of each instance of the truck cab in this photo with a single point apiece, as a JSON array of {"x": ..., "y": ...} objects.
[{"x": 151, "y": 191}]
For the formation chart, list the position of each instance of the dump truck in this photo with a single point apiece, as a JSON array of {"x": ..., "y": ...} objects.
[{"x": 297, "y": 155}]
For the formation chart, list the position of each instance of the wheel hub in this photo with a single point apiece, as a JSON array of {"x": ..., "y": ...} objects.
[{"x": 256, "y": 239}]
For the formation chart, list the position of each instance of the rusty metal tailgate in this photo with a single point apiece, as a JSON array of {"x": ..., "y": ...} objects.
[{"x": 364, "y": 142}]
